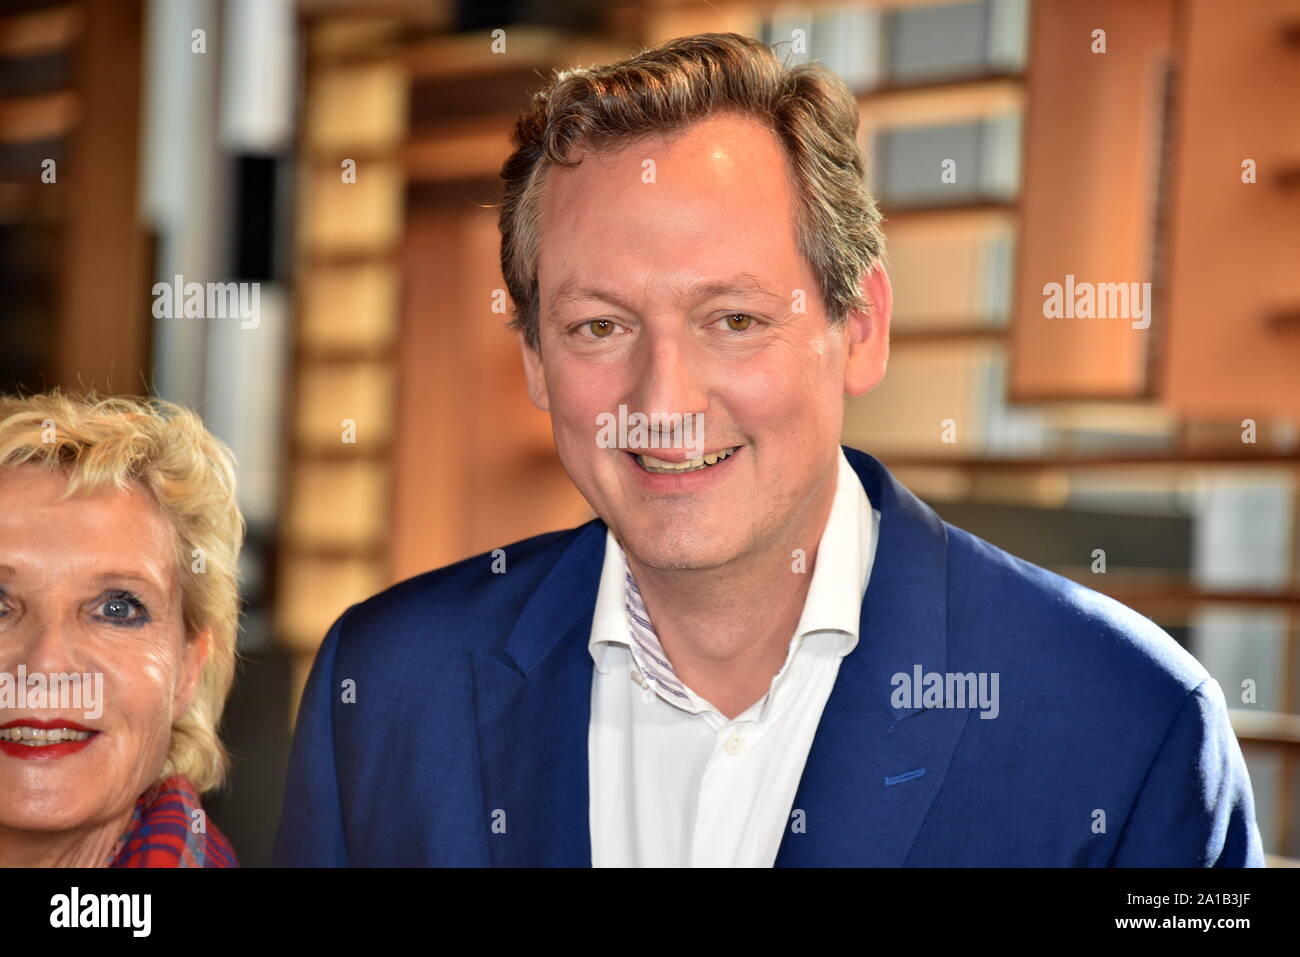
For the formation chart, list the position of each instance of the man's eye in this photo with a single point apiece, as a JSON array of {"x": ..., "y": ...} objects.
[
  {"x": 601, "y": 328},
  {"x": 739, "y": 322},
  {"x": 123, "y": 608}
]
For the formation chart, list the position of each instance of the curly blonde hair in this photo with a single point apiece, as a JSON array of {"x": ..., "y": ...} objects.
[
  {"x": 661, "y": 91},
  {"x": 112, "y": 442}
]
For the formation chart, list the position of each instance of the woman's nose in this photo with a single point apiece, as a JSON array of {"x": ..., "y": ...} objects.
[{"x": 44, "y": 644}]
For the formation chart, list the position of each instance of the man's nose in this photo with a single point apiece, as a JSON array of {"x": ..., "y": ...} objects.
[{"x": 671, "y": 378}]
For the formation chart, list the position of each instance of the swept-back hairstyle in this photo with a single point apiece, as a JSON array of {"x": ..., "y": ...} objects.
[
  {"x": 661, "y": 91},
  {"x": 115, "y": 442}
]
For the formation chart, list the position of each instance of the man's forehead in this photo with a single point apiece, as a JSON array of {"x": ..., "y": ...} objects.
[
  {"x": 594, "y": 288},
  {"x": 706, "y": 229},
  {"x": 722, "y": 150}
]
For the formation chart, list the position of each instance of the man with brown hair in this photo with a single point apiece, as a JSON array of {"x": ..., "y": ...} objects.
[{"x": 765, "y": 650}]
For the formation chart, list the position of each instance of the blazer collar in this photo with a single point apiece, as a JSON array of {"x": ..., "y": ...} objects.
[
  {"x": 874, "y": 770},
  {"x": 871, "y": 773},
  {"x": 533, "y": 702}
]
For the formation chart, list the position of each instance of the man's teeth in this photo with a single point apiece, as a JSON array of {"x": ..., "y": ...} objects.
[
  {"x": 41, "y": 737},
  {"x": 652, "y": 464}
]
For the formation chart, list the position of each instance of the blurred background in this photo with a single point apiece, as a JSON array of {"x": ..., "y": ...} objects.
[{"x": 342, "y": 159}]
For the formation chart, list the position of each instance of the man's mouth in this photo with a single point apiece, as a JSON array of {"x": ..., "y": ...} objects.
[{"x": 652, "y": 464}]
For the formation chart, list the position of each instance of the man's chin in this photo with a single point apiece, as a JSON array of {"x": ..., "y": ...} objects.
[{"x": 660, "y": 548}]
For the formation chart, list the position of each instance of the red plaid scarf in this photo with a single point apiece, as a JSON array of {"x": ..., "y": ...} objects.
[{"x": 162, "y": 834}]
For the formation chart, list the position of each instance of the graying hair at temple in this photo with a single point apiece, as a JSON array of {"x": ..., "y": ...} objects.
[{"x": 661, "y": 91}]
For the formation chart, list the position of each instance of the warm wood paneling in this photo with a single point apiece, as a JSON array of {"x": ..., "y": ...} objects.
[
  {"x": 1091, "y": 151},
  {"x": 474, "y": 467},
  {"x": 104, "y": 335},
  {"x": 1233, "y": 345}
]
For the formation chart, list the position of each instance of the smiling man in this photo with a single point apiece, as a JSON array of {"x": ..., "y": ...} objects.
[{"x": 764, "y": 650}]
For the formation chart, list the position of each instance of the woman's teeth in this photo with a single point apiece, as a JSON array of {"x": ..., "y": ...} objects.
[
  {"x": 41, "y": 737},
  {"x": 652, "y": 464}
]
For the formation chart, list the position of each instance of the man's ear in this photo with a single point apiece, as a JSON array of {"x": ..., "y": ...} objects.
[
  {"x": 868, "y": 334},
  {"x": 535, "y": 374},
  {"x": 193, "y": 655}
]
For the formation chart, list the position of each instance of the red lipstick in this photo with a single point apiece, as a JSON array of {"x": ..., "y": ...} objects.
[{"x": 45, "y": 752}]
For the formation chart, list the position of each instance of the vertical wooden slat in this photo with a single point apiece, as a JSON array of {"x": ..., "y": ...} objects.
[
  {"x": 104, "y": 332},
  {"x": 1091, "y": 149},
  {"x": 474, "y": 467},
  {"x": 1233, "y": 349}
]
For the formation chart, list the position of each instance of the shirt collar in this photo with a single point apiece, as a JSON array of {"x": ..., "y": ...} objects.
[
  {"x": 844, "y": 558},
  {"x": 609, "y": 622},
  {"x": 845, "y": 555}
]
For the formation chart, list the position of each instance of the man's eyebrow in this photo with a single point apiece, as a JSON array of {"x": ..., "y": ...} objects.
[
  {"x": 744, "y": 284},
  {"x": 571, "y": 291}
]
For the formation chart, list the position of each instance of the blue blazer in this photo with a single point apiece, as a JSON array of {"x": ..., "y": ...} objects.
[{"x": 445, "y": 721}]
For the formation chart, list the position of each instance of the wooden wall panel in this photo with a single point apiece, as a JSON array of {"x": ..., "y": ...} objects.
[
  {"x": 104, "y": 333},
  {"x": 1091, "y": 148},
  {"x": 1233, "y": 345},
  {"x": 474, "y": 464}
]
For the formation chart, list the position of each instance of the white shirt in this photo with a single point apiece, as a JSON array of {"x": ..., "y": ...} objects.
[{"x": 673, "y": 782}]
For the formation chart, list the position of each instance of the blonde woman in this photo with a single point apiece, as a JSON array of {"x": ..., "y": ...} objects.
[{"x": 119, "y": 542}]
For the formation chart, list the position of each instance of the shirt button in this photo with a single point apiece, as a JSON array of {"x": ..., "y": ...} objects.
[{"x": 735, "y": 745}]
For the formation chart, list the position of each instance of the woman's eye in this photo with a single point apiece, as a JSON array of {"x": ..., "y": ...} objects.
[
  {"x": 739, "y": 322},
  {"x": 601, "y": 328},
  {"x": 123, "y": 608},
  {"x": 117, "y": 608}
]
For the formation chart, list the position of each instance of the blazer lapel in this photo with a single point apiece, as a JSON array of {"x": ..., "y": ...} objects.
[
  {"x": 874, "y": 770},
  {"x": 533, "y": 701}
]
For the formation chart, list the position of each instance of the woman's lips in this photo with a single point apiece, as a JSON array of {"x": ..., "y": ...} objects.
[
  {"x": 32, "y": 731},
  {"x": 45, "y": 723}
]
